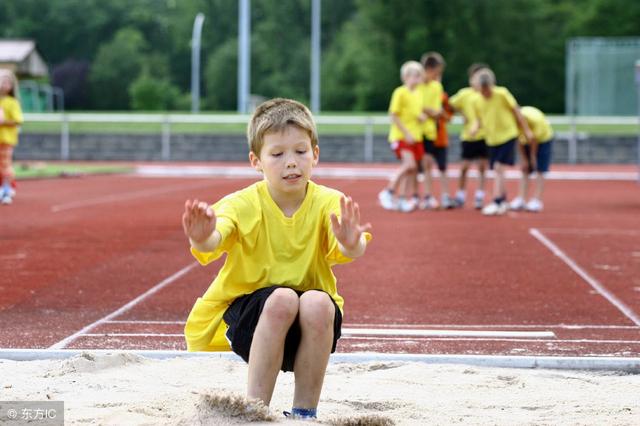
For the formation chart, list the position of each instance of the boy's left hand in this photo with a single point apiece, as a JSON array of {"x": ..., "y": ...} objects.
[{"x": 347, "y": 229}]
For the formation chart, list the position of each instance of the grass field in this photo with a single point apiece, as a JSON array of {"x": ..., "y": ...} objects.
[
  {"x": 324, "y": 129},
  {"x": 30, "y": 170}
]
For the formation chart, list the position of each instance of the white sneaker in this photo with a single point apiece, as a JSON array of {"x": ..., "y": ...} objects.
[
  {"x": 386, "y": 200},
  {"x": 495, "y": 209},
  {"x": 428, "y": 203},
  {"x": 460, "y": 198},
  {"x": 6, "y": 199},
  {"x": 478, "y": 199},
  {"x": 516, "y": 204},
  {"x": 406, "y": 206},
  {"x": 534, "y": 205},
  {"x": 447, "y": 202}
]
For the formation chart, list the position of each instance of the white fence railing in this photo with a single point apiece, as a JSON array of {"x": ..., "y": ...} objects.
[{"x": 366, "y": 121}]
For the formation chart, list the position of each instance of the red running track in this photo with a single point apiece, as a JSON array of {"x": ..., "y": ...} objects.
[{"x": 101, "y": 262}]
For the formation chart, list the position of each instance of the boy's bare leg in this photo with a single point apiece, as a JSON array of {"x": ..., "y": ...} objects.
[
  {"x": 462, "y": 180},
  {"x": 427, "y": 162},
  {"x": 408, "y": 165},
  {"x": 524, "y": 182},
  {"x": 444, "y": 181},
  {"x": 498, "y": 181},
  {"x": 316, "y": 317},
  {"x": 539, "y": 185},
  {"x": 267, "y": 347},
  {"x": 482, "y": 167}
]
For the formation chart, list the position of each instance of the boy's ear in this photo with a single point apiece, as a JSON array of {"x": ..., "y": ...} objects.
[
  {"x": 316, "y": 155},
  {"x": 255, "y": 161}
]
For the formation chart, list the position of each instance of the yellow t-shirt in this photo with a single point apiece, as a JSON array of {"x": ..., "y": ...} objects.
[
  {"x": 432, "y": 98},
  {"x": 538, "y": 124},
  {"x": 265, "y": 248},
  {"x": 464, "y": 102},
  {"x": 12, "y": 112},
  {"x": 407, "y": 105},
  {"x": 497, "y": 117}
]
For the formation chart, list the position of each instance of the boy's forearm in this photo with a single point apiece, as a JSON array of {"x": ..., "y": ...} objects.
[
  {"x": 208, "y": 245},
  {"x": 396, "y": 120},
  {"x": 356, "y": 251}
]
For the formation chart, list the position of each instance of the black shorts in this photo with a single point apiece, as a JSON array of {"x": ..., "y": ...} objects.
[
  {"x": 474, "y": 150},
  {"x": 439, "y": 153},
  {"x": 242, "y": 318},
  {"x": 503, "y": 154},
  {"x": 543, "y": 157}
]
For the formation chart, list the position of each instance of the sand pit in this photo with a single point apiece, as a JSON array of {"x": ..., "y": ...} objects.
[{"x": 126, "y": 389}]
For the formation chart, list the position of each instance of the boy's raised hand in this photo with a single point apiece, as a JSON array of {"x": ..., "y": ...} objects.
[
  {"x": 347, "y": 229},
  {"x": 198, "y": 220}
]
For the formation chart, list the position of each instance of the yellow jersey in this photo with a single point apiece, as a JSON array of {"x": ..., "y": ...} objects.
[
  {"x": 538, "y": 124},
  {"x": 464, "y": 102},
  {"x": 497, "y": 116},
  {"x": 407, "y": 105},
  {"x": 265, "y": 248},
  {"x": 432, "y": 98},
  {"x": 11, "y": 111}
]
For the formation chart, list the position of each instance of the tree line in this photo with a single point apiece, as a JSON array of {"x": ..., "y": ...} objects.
[{"x": 135, "y": 54}]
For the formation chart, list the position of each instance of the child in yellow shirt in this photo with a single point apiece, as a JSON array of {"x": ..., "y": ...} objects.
[
  {"x": 498, "y": 114},
  {"x": 405, "y": 137},
  {"x": 10, "y": 120},
  {"x": 275, "y": 302},
  {"x": 535, "y": 156}
]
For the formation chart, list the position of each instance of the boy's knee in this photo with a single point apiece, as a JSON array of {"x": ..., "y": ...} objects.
[
  {"x": 317, "y": 311},
  {"x": 282, "y": 305}
]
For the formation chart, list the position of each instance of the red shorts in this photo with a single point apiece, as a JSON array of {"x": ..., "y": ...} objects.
[{"x": 416, "y": 148}]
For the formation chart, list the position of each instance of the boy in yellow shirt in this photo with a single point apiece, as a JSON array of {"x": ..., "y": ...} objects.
[
  {"x": 433, "y": 92},
  {"x": 405, "y": 137},
  {"x": 534, "y": 157},
  {"x": 274, "y": 302},
  {"x": 474, "y": 149},
  {"x": 498, "y": 114},
  {"x": 10, "y": 120}
]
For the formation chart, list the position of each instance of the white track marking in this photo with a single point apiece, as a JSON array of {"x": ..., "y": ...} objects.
[
  {"x": 490, "y": 326},
  {"x": 444, "y": 333},
  {"x": 489, "y": 339},
  {"x": 415, "y": 338},
  {"x": 64, "y": 342},
  {"x": 122, "y": 196},
  {"x": 595, "y": 284},
  {"x": 143, "y": 322},
  {"x": 591, "y": 231},
  {"x": 239, "y": 172},
  {"x": 133, "y": 335}
]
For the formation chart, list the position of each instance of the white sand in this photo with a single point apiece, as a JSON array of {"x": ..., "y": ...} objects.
[{"x": 125, "y": 389}]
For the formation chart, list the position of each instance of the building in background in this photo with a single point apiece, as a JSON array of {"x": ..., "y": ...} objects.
[{"x": 22, "y": 57}]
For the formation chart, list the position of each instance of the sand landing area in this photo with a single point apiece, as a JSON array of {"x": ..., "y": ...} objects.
[{"x": 129, "y": 389}]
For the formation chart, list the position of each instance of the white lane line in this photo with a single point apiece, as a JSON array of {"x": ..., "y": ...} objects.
[
  {"x": 595, "y": 284},
  {"x": 385, "y": 333},
  {"x": 181, "y": 335},
  {"x": 488, "y": 339},
  {"x": 444, "y": 333},
  {"x": 402, "y": 339},
  {"x": 64, "y": 342},
  {"x": 236, "y": 172},
  {"x": 122, "y": 196},
  {"x": 592, "y": 231},
  {"x": 491, "y": 326},
  {"x": 143, "y": 322}
]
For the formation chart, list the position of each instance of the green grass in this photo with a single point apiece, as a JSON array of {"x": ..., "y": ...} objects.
[
  {"x": 46, "y": 170},
  {"x": 239, "y": 129}
]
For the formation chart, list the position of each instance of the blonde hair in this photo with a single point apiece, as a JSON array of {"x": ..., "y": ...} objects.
[
  {"x": 276, "y": 115},
  {"x": 15, "y": 89},
  {"x": 410, "y": 67},
  {"x": 483, "y": 77}
]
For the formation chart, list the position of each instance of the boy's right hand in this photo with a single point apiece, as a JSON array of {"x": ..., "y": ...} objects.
[{"x": 198, "y": 220}]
